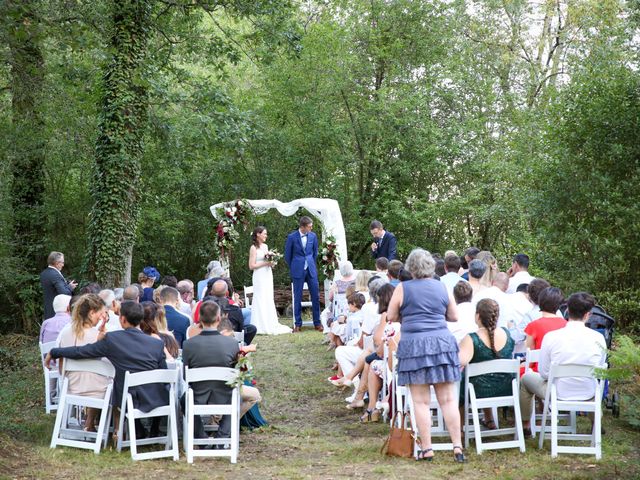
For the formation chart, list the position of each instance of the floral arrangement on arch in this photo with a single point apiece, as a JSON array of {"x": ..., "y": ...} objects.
[
  {"x": 329, "y": 256},
  {"x": 232, "y": 213}
]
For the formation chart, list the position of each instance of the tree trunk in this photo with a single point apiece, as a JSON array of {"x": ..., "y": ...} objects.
[
  {"x": 119, "y": 148},
  {"x": 27, "y": 152}
]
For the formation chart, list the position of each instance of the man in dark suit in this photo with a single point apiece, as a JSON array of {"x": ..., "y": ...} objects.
[
  {"x": 130, "y": 350},
  {"x": 384, "y": 243},
  {"x": 300, "y": 253},
  {"x": 177, "y": 322},
  {"x": 53, "y": 282},
  {"x": 212, "y": 349}
]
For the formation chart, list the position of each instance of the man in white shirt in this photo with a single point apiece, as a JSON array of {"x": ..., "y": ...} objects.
[
  {"x": 466, "y": 323},
  {"x": 496, "y": 292},
  {"x": 521, "y": 307},
  {"x": 518, "y": 272},
  {"x": 185, "y": 302},
  {"x": 451, "y": 266},
  {"x": 576, "y": 343}
]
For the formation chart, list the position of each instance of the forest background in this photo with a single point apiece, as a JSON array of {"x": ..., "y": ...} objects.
[{"x": 510, "y": 125}]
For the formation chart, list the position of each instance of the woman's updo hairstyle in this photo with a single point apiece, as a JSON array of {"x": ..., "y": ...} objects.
[
  {"x": 488, "y": 312},
  {"x": 254, "y": 236}
]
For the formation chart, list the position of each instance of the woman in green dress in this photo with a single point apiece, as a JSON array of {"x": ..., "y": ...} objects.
[{"x": 488, "y": 343}]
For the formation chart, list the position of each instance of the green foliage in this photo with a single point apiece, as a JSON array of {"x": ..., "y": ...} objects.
[
  {"x": 624, "y": 373},
  {"x": 624, "y": 306}
]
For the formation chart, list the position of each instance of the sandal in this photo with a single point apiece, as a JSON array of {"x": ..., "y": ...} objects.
[
  {"x": 458, "y": 457},
  {"x": 422, "y": 455},
  {"x": 356, "y": 404},
  {"x": 366, "y": 417}
]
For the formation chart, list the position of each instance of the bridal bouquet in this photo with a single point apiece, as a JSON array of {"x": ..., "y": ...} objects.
[{"x": 273, "y": 256}]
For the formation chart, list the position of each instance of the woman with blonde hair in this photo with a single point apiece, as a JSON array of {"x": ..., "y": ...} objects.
[
  {"x": 88, "y": 312},
  {"x": 492, "y": 267},
  {"x": 362, "y": 284}
]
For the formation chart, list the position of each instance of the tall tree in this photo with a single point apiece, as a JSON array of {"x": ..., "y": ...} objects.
[
  {"x": 119, "y": 147},
  {"x": 22, "y": 30}
]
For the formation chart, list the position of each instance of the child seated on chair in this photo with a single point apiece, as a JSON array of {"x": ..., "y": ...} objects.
[{"x": 338, "y": 325}]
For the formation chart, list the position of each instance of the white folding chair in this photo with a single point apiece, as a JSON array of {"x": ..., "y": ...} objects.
[
  {"x": 558, "y": 405},
  {"x": 471, "y": 402},
  {"x": 533, "y": 356},
  {"x": 247, "y": 301},
  {"x": 51, "y": 379},
  {"x": 305, "y": 288},
  {"x": 222, "y": 374},
  {"x": 63, "y": 433},
  {"x": 170, "y": 440}
]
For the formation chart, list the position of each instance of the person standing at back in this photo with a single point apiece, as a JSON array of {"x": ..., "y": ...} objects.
[
  {"x": 384, "y": 243},
  {"x": 53, "y": 282}
]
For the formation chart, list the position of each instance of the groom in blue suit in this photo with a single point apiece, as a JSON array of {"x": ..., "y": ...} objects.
[{"x": 300, "y": 253}]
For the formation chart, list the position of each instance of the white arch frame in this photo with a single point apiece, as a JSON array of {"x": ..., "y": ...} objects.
[{"x": 326, "y": 210}]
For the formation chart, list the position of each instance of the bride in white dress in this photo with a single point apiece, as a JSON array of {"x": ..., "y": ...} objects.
[{"x": 263, "y": 308}]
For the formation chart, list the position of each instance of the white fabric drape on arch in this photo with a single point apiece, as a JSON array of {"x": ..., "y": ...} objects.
[{"x": 324, "y": 209}]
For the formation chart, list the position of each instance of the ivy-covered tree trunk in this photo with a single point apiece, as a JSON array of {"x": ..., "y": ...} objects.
[
  {"x": 114, "y": 216},
  {"x": 22, "y": 30}
]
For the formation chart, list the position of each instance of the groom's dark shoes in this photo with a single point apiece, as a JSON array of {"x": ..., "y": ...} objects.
[
  {"x": 318, "y": 328},
  {"x": 296, "y": 329}
]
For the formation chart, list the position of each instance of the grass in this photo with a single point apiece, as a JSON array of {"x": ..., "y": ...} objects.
[{"x": 311, "y": 433}]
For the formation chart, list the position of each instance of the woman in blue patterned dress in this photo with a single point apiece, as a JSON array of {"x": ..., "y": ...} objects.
[{"x": 427, "y": 351}]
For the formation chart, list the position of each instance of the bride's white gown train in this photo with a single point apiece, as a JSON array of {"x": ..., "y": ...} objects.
[{"x": 263, "y": 308}]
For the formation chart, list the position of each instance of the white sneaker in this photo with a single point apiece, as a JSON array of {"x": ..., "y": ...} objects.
[{"x": 350, "y": 398}]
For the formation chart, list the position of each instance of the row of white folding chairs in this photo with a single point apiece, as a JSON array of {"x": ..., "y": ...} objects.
[
  {"x": 63, "y": 434},
  {"x": 473, "y": 406}
]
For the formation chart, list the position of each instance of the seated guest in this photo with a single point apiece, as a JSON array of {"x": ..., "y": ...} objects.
[
  {"x": 131, "y": 293},
  {"x": 497, "y": 292},
  {"x": 469, "y": 254},
  {"x": 518, "y": 272},
  {"x": 387, "y": 334},
  {"x": 211, "y": 349},
  {"x": 338, "y": 335},
  {"x": 177, "y": 323},
  {"x": 477, "y": 270},
  {"x": 574, "y": 344},
  {"x": 147, "y": 278},
  {"x": 521, "y": 305},
  {"x": 128, "y": 350},
  {"x": 113, "y": 309},
  {"x": 338, "y": 290},
  {"x": 169, "y": 281},
  {"x": 51, "y": 327},
  {"x": 219, "y": 294},
  {"x": 393, "y": 272},
  {"x": 490, "y": 342},
  {"x": 451, "y": 277},
  {"x": 88, "y": 311},
  {"x": 149, "y": 325},
  {"x": 348, "y": 352},
  {"x": 92, "y": 287},
  {"x": 214, "y": 270},
  {"x": 536, "y": 287},
  {"x": 492, "y": 267},
  {"x": 382, "y": 264},
  {"x": 362, "y": 283},
  {"x": 549, "y": 301},
  {"x": 370, "y": 320},
  {"x": 466, "y": 323},
  {"x": 185, "y": 288}
]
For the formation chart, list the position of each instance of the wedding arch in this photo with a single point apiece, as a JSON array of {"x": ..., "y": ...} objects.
[{"x": 325, "y": 210}]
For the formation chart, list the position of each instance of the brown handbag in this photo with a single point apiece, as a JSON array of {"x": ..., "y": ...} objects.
[{"x": 399, "y": 443}]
